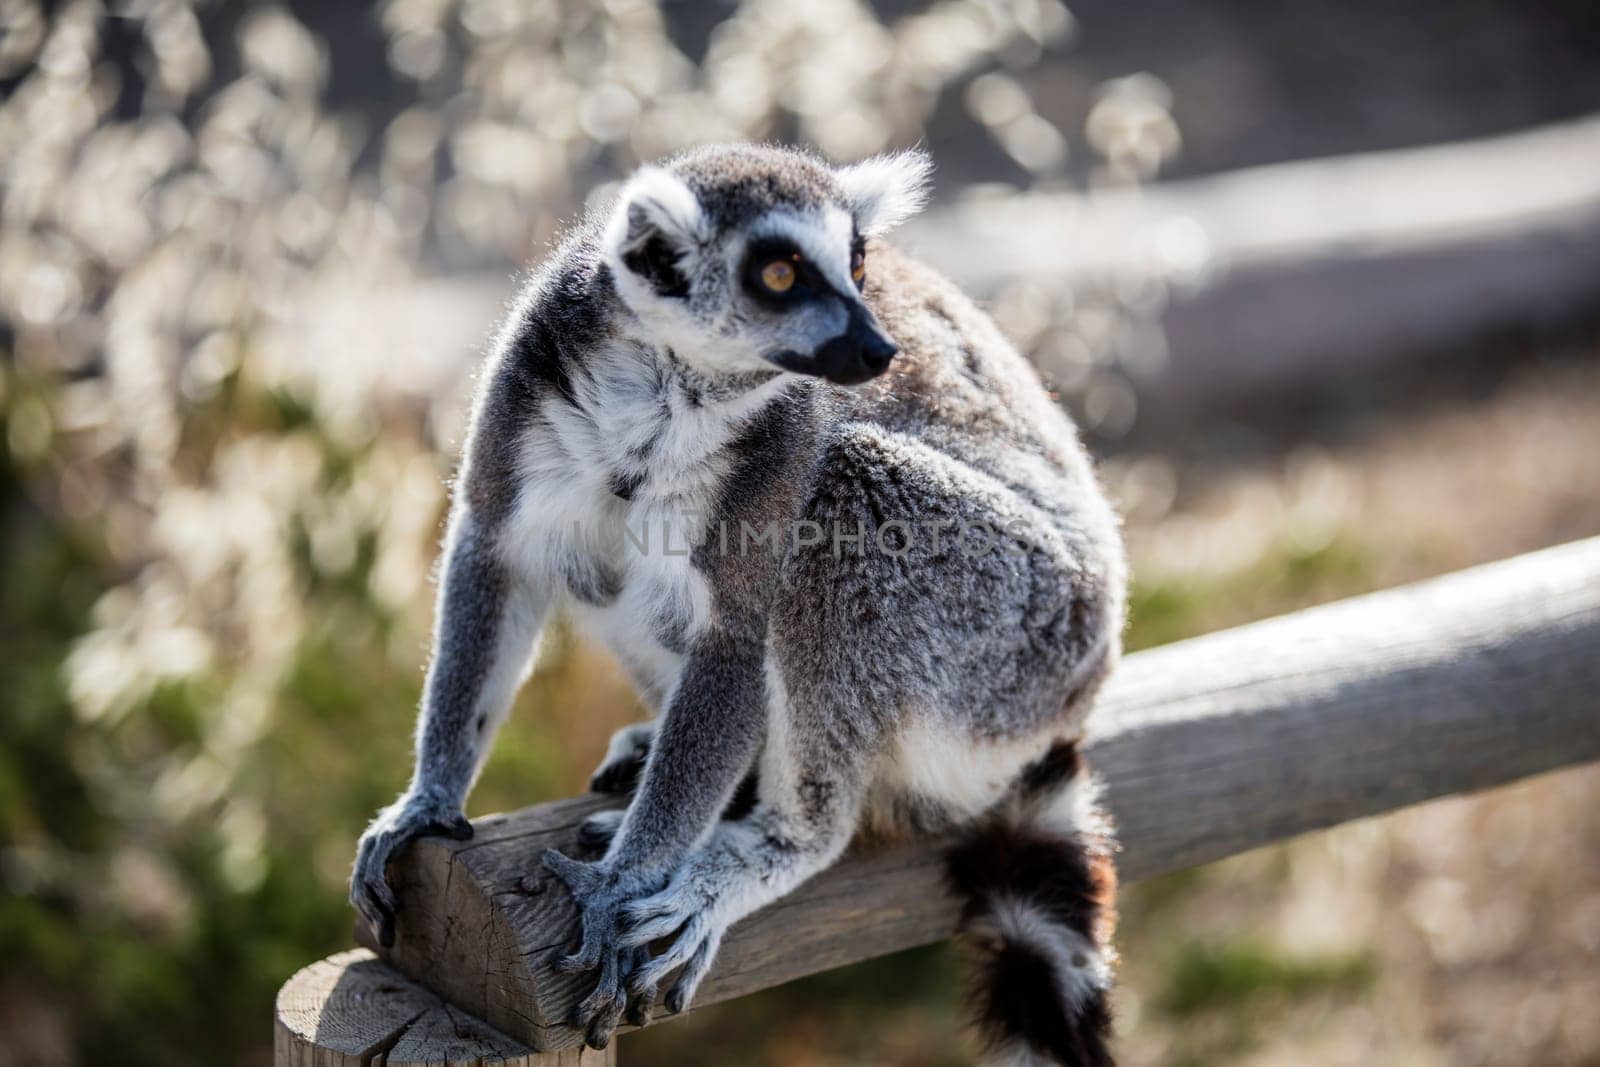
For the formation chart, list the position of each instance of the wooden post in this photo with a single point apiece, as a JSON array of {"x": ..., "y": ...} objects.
[
  {"x": 1207, "y": 748},
  {"x": 354, "y": 1010}
]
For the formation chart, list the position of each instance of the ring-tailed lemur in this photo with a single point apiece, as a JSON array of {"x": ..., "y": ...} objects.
[{"x": 753, "y": 444}]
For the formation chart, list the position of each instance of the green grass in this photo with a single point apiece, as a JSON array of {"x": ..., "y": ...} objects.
[
  {"x": 1286, "y": 577},
  {"x": 1207, "y": 976}
]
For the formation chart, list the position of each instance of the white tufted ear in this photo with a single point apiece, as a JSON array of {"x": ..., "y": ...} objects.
[
  {"x": 886, "y": 190},
  {"x": 657, "y": 223}
]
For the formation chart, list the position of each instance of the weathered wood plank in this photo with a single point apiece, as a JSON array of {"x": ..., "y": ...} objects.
[
  {"x": 1207, "y": 748},
  {"x": 352, "y": 1010}
]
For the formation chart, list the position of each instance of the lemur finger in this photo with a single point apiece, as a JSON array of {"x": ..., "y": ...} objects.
[
  {"x": 605, "y": 1000},
  {"x": 370, "y": 915},
  {"x": 683, "y": 990},
  {"x": 603, "y": 1026},
  {"x": 360, "y": 872},
  {"x": 641, "y": 994},
  {"x": 455, "y": 827},
  {"x": 644, "y": 925},
  {"x": 643, "y": 984},
  {"x": 379, "y": 905},
  {"x": 576, "y": 875},
  {"x": 580, "y": 879},
  {"x": 380, "y": 920},
  {"x": 591, "y": 945},
  {"x": 689, "y": 938},
  {"x": 586, "y": 957},
  {"x": 379, "y": 892}
]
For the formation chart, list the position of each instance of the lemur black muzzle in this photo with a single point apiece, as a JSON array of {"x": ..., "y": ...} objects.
[{"x": 859, "y": 354}]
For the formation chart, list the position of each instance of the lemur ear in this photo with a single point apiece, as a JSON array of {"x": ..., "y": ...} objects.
[
  {"x": 886, "y": 190},
  {"x": 656, "y": 227}
]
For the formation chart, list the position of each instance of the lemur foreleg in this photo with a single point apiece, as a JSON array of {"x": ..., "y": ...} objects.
[
  {"x": 707, "y": 740},
  {"x": 488, "y": 619},
  {"x": 813, "y": 783}
]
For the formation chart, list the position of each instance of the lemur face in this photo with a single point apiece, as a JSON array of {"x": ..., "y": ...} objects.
[{"x": 749, "y": 259}]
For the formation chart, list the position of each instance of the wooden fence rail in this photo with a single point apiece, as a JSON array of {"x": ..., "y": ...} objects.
[{"x": 1207, "y": 748}]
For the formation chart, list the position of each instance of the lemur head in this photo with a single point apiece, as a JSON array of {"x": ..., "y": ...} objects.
[{"x": 745, "y": 258}]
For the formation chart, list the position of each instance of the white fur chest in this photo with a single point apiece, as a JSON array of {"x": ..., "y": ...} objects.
[{"x": 615, "y": 491}]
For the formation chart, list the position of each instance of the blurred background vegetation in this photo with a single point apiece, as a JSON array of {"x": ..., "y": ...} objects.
[{"x": 223, "y": 480}]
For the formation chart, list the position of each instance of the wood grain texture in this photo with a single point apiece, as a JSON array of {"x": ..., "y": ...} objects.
[
  {"x": 1207, "y": 748},
  {"x": 354, "y": 1010}
]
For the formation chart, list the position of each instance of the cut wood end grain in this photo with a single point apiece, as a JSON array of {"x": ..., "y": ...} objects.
[{"x": 354, "y": 1010}]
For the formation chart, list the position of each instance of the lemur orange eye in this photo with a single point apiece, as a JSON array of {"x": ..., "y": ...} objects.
[
  {"x": 778, "y": 276},
  {"x": 858, "y": 267}
]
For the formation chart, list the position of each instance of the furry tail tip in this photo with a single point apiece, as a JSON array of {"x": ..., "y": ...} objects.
[{"x": 1039, "y": 890}]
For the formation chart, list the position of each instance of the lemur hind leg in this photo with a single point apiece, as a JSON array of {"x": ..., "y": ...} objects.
[{"x": 991, "y": 655}]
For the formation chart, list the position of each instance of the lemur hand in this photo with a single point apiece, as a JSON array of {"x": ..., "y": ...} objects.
[
  {"x": 412, "y": 816},
  {"x": 685, "y": 914},
  {"x": 601, "y": 892}
]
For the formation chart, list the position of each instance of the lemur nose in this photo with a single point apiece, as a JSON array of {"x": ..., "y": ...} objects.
[
  {"x": 876, "y": 352},
  {"x": 874, "y": 348}
]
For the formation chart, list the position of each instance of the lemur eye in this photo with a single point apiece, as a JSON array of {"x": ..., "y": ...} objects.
[
  {"x": 858, "y": 266},
  {"x": 778, "y": 275}
]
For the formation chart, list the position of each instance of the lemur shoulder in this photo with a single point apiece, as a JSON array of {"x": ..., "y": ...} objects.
[{"x": 845, "y": 544}]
